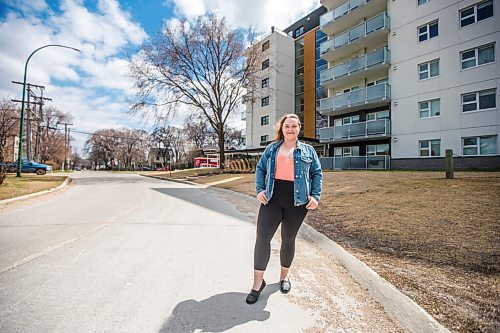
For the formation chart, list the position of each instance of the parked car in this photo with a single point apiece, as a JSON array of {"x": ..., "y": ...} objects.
[{"x": 29, "y": 166}]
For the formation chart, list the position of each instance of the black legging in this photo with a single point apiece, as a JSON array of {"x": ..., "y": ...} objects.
[{"x": 279, "y": 209}]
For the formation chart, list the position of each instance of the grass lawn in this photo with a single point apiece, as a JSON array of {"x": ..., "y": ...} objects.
[
  {"x": 437, "y": 240},
  {"x": 27, "y": 183}
]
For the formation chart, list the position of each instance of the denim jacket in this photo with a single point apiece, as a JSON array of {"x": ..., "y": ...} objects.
[{"x": 308, "y": 176}]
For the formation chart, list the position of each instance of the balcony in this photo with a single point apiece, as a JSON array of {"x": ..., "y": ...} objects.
[
  {"x": 329, "y": 4},
  {"x": 376, "y": 129},
  {"x": 343, "y": 16},
  {"x": 368, "y": 34},
  {"x": 355, "y": 100},
  {"x": 356, "y": 163},
  {"x": 372, "y": 64}
]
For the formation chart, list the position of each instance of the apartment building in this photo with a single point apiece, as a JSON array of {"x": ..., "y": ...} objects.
[
  {"x": 288, "y": 82},
  {"x": 272, "y": 92},
  {"x": 357, "y": 80},
  {"x": 445, "y": 76},
  {"x": 407, "y": 80}
]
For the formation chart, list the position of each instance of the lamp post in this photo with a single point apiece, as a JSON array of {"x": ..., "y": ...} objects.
[{"x": 20, "y": 148}]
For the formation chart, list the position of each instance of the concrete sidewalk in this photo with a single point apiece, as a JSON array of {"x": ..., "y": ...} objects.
[{"x": 320, "y": 259}]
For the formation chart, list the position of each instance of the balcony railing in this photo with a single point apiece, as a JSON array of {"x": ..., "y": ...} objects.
[
  {"x": 340, "y": 11},
  {"x": 356, "y": 162},
  {"x": 364, "y": 62},
  {"x": 363, "y": 130},
  {"x": 362, "y": 30},
  {"x": 356, "y": 97}
]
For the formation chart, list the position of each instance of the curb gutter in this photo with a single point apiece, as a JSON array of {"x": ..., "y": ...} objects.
[
  {"x": 399, "y": 306},
  {"x": 36, "y": 194}
]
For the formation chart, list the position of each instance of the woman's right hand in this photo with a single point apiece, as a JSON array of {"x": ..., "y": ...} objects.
[{"x": 262, "y": 197}]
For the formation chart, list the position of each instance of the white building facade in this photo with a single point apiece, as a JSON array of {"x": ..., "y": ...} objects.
[
  {"x": 445, "y": 77},
  {"x": 273, "y": 93}
]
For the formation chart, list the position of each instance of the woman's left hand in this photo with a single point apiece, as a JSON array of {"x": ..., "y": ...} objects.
[{"x": 313, "y": 203}]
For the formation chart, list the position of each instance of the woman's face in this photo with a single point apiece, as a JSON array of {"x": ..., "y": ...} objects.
[{"x": 291, "y": 129}]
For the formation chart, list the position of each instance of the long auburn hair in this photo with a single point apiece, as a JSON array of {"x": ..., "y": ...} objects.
[{"x": 279, "y": 125}]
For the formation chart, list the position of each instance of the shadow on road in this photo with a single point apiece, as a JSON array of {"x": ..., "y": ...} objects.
[
  {"x": 204, "y": 199},
  {"x": 218, "y": 313}
]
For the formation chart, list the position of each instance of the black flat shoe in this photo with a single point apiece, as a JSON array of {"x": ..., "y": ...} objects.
[
  {"x": 254, "y": 294},
  {"x": 285, "y": 286}
]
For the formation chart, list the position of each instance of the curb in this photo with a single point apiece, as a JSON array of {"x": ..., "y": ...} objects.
[
  {"x": 36, "y": 194},
  {"x": 177, "y": 180},
  {"x": 397, "y": 305}
]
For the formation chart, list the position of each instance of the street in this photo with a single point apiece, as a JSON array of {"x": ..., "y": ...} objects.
[{"x": 126, "y": 253}]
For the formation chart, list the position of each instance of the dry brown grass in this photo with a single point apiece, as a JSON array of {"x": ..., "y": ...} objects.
[
  {"x": 435, "y": 239},
  {"x": 27, "y": 183}
]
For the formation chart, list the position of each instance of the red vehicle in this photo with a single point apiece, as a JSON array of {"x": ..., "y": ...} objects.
[{"x": 205, "y": 162}]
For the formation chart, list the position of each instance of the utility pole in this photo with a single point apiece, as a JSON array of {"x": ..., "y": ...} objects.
[
  {"x": 38, "y": 100},
  {"x": 66, "y": 145}
]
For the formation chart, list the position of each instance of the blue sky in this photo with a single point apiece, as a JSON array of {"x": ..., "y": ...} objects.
[{"x": 93, "y": 86}]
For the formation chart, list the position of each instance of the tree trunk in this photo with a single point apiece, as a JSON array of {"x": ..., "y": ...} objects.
[{"x": 222, "y": 156}]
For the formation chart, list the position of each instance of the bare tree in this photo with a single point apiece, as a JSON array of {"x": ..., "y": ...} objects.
[
  {"x": 233, "y": 139},
  {"x": 9, "y": 121},
  {"x": 52, "y": 143},
  {"x": 200, "y": 66},
  {"x": 102, "y": 147},
  {"x": 198, "y": 132}
]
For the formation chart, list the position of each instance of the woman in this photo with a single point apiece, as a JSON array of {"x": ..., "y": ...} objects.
[{"x": 288, "y": 184}]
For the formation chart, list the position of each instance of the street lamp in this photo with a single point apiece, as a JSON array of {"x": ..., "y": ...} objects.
[{"x": 20, "y": 148}]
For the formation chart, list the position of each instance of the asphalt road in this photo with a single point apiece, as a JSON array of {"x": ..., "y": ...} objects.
[{"x": 126, "y": 253}]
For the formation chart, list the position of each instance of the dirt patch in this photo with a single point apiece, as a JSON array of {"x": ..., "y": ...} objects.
[{"x": 437, "y": 240}]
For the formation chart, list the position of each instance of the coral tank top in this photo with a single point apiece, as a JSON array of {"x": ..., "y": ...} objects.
[{"x": 284, "y": 167}]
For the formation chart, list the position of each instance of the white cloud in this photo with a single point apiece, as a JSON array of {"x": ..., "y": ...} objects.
[
  {"x": 93, "y": 86},
  {"x": 260, "y": 14}
]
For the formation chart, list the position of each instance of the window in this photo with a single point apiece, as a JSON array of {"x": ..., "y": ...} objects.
[
  {"x": 299, "y": 31},
  {"x": 428, "y": 31},
  {"x": 429, "y": 109},
  {"x": 265, "y": 82},
  {"x": 482, "y": 145},
  {"x": 428, "y": 69},
  {"x": 265, "y": 64},
  {"x": 478, "y": 56},
  {"x": 377, "y": 115},
  {"x": 421, "y": 2},
  {"x": 350, "y": 151},
  {"x": 479, "y": 100},
  {"x": 430, "y": 147},
  {"x": 476, "y": 13},
  {"x": 265, "y": 45},
  {"x": 264, "y": 138},
  {"x": 384, "y": 80},
  {"x": 264, "y": 101},
  {"x": 264, "y": 120},
  {"x": 381, "y": 149}
]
